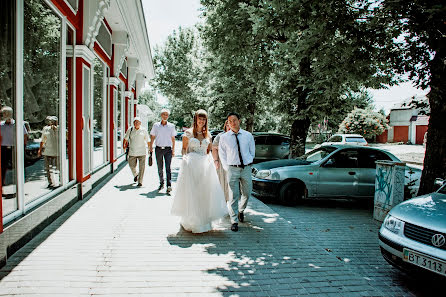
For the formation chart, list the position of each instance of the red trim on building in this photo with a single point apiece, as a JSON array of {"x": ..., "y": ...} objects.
[
  {"x": 1, "y": 191},
  {"x": 127, "y": 100},
  {"x": 79, "y": 122},
  {"x": 108, "y": 26},
  {"x": 74, "y": 18},
  {"x": 69, "y": 114},
  {"x": 124, "y": 80},
  {"x": 103, "y": 55},
  {"x": 112, "y": 123}
]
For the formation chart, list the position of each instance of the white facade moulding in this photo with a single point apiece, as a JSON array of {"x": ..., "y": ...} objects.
[
  {"x": 84, "y": 52},
  {"x": 140, "y": 81},
  {"x": 129, "y": 94},
  {"x": 132, "y": 64},
  {"x": 114, "y": 81},
  {"x": 94, "y": 11},
  {"x": 122, "y": 44}
]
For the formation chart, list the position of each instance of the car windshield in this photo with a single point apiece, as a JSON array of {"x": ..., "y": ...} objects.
[
  {"x": 317, "y": 154},
  {"x": 354, "y": 139}
]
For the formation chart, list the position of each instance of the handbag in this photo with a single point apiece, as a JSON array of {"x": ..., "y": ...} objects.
[
  {"x": 150, "y": 159},
  {"x": 127, "y": 149}
]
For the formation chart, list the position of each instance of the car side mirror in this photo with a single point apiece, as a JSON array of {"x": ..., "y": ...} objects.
[
  {"x": 329, "y": 163},
  {"x": 439, "y": 182}
]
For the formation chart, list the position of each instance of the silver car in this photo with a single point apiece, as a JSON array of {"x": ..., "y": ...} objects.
[
  {"x": 413, "y": 235},
  {"x": 335, "y": 171},
  {"x": 271, "y": 146}
]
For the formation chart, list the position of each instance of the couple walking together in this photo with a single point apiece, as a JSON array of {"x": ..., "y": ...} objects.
[{"x": 199, "y": 197}]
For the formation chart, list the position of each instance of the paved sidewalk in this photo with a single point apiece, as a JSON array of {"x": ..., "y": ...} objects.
[{"x": 123, "y": 241}]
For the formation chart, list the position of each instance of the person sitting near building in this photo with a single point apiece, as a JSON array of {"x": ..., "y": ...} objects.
[
  {"x": 49, "y": 149},
  {"x": 136, "y": 139}
]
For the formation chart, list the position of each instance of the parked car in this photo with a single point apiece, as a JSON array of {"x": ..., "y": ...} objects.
[
  {"x": 214, "y": 133},
  {"x": 352, "y": 139},
  {"x": 413, "y": 235},
  {"x": 32, "y": 147},
  {"x": 179, "y": 135},
  {"x": 334, "y": 171},
  {"x": 271, "y": 146},
  {"x": 97, "y": 138}
]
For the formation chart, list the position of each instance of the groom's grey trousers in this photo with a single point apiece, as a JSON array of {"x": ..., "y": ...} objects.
[{"x": 240, "y": 180}]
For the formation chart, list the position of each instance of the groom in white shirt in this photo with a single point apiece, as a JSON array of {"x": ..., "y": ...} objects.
[{"x": 236, "y": 151}]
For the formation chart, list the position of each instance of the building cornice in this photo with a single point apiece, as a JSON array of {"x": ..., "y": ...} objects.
[{"x": 84, "y": 52}]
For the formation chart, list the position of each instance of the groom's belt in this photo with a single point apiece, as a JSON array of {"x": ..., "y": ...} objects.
[
  {"x": 241, "y": 166},
  {"x": 164, "y": 147}
]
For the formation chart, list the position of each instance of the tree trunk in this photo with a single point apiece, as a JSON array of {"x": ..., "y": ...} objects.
[
  {"x": 299, "y": 131},
  {"x": 250, "y": 117},
  {"x": 435, "y": 156}
]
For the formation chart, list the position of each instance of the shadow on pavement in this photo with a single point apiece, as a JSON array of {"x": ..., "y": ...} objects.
[{"x": 131, "y": 186}]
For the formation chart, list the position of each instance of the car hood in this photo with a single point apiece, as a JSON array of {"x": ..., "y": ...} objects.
[
  {"x": 428, "y": 211},
  {"x": 279, "y": 163}
]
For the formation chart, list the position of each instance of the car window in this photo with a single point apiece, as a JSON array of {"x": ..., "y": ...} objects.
[
  {"x": 346, "y": 159},
  {"x": 317, "y": 154},
  {"x": 274, "y": 140},
  {"x": 369, "y": 157},
  {"x": 260, "y": 140},
  {"x": 355, "y": 139},
  {"x": 285, "y": 141},
  {"x": 335, "y": 139}
]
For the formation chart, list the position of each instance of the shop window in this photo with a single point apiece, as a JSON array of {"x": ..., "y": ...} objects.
[
  {"x": 41, "y": 98},
  {"x": 124, "y": 68},
  {"x": 99, "y": 112},
  {"x": 7, "y": 104},
  {"x": 104, "y": 39},
  {"x": 69, "y": 111},
  {"x": 119, "y": 114}
]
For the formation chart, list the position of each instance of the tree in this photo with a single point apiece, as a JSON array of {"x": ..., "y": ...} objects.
[
  {"x": 365, "y": 122},
  {"x": 422, "y": 50},
  {"x": 180, "y": 75},
  {"x": 321, "y": 50},
  {"x": 238, "y": 59}
]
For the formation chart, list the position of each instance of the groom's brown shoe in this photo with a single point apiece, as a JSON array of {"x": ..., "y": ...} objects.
[
  {"x": 241, "y": 217},
  {"x": 234, "y": 227}
]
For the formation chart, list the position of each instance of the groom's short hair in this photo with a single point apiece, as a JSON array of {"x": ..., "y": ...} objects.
[{"x": 233, "y": 114}]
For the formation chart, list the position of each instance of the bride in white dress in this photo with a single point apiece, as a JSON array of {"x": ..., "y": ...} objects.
[{"x": 199, "y": 199}]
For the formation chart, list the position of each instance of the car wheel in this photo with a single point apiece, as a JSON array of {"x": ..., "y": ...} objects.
[{"x": 292, "y": 193}]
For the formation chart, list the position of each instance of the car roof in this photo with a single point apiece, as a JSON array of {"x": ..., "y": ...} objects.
[
  {"x": 346, "y": 135},
  {"x": 268, "y": 133},
  {"x": 346, "y": 146}
]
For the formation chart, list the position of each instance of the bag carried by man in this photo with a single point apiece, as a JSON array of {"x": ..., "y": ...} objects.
[{"x": 127, "y": 149}]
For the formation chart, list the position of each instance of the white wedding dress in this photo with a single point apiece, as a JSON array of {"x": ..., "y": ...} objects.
[{"x": 198, "y": 199}]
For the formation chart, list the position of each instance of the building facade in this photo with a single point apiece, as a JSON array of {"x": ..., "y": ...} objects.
[{"x": 70, "y": 75}]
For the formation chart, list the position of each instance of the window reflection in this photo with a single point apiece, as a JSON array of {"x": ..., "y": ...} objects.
[
  {"x": 41, "y": 58},
  {"x": 69, "y": 105},
  {"x": 119, "y": 117},
  {"x": 99, "y": 94},
  {"x": 7, "y": 100}
]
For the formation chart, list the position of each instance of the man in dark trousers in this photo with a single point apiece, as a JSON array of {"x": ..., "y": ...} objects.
[{"x": 163, "y": 133}]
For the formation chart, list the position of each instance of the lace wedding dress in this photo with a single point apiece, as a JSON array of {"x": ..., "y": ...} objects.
[{"x": 198, "y": 198}]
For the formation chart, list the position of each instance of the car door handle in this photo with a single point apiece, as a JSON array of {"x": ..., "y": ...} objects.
[{"x": 351, "y": 172}]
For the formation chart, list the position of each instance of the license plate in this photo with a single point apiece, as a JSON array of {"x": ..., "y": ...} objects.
[{"x": 424, "y": 261}]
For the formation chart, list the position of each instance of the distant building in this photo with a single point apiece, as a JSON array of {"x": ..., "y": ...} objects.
[{"x": 408, "y": 122}]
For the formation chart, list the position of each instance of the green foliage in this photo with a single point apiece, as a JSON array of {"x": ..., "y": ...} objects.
[{"x": 365, "y": 122}]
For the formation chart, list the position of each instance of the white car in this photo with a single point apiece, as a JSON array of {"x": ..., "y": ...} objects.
[
  {"x": 413, "y": 235},
  {"x": 351, "y": 139}
]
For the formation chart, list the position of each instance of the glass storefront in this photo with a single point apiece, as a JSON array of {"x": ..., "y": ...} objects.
[
  {"x": 7, "y": 103},
  {"x": 119, "y": 114},
  {"x": 69, "y": 105},
  {"x": 41, "y": 98},
  {"x": 99, "y": 110}
]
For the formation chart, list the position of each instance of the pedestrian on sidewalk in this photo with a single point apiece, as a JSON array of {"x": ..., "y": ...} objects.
[
  {"x": 136, "y": 139},
  {"x": 199, "y": 199},
  {"x": 163, "y": 136},
  {"x": 221, "y": 172},
  {"x": 237, "y": 150}
]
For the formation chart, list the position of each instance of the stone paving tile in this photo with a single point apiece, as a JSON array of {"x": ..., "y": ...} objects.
[
  {"x": 347, "y": 231},
  {"x": 123, "y": 242}
]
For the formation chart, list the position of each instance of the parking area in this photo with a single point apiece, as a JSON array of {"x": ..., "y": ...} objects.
[{"x": 347, "y": 230}]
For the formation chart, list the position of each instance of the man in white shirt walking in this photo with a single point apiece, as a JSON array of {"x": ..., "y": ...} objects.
[
  {"x": 136, "y": 139},
  {"x": 163, "y": 133},
  {"x": 236, "y": 151}
]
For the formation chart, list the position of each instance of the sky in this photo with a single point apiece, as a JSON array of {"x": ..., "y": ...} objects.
[{"x": 164, "y": 16}]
